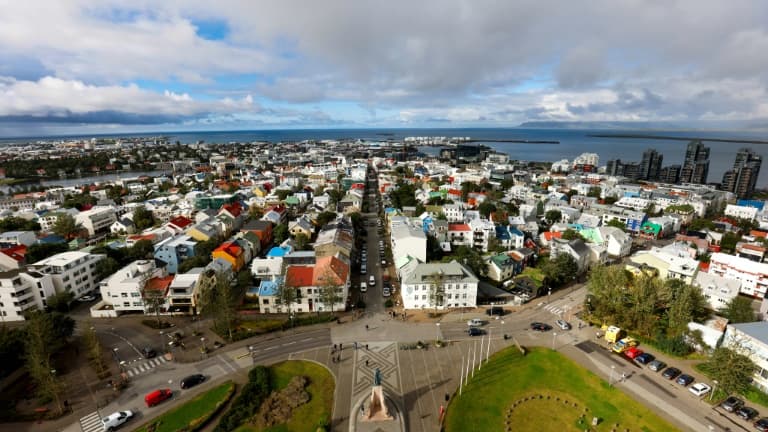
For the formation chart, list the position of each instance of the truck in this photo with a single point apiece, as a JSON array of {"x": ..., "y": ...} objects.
[
  {"x": 623, "y": 345},
  {"x": 613, "y": 334}
]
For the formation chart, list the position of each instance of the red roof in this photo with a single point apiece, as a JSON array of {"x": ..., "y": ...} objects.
[
  {"x": 759, "y": 234},
  {"x": 459, "y": 227},
  {"x": 181, "y": 221},
  {"x": 137, "y": 237},
  {"x": 230, "y": 248},
  {"x": 159, "y": 283},
  {"x": 234, "y": 209},
  {"x": 358, "y": 186},
  {"x": 277, "y": 208},
  {"x": 454, "y": 192},
  {"x": 549, "y": 235},
  {"x": 15, "y": 252},
  {"x": 332, "y": 268},
  {"x": 299, "y": 276}
]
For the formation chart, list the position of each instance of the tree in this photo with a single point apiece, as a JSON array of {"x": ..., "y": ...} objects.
[
  {"x": 282, "y": 194},
  {"x": 40, "y": 344},
  {"x": 594, "y": 192},
  {"x": 617, "y": 224},
  {"x": 142, "y": 249},
  {"x": 687, "y": 305},
  {"x": 699, "y": 224},
  {"x": 559, "y": 270},
  {"x": 302, "y": 242},
  {"x": 553, "y": 216},
  {"x": 436, "y": 289},
  {"x": 729, "y": 240},
  {"x": 41, "y": 251},
  {"x": 469, "y": 257},
  {"x": 739, "y": 310},
  {"x": 280, "y": 234},
  {"x": 330, "y": 290},
  {"x": 106, "y": 267},
  {"x": 143, "y": 218},
  {"x": 14, "y": 223},
  {"x": 60, "y": 302},
  {"x": 732, "y": 370},
  {"x": 434, "y": 251},
  {"x": 286, "y": 293},
  {"x": 11, "y": 349},
  {"x": 93, "y": 348},
  {"x": 486, "y": 208},
  {"x": 607, "y": 288},
  {"x": 571, "y": 234},
  {"x": 205, "y": 248},
  {"x": 335, "y": 196},
  {"x": 154, "y": 300},
  {"x": 66, "y": 226},
  {"x": 218, "y": 302},
  {"x": 256, "y": 212}
]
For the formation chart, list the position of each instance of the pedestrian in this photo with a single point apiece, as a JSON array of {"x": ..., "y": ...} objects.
[
  {"x": 366, "y": 347},
  {"x": 623, "y": 377},
  {"x": 341, "y": 347},
  {"x": 366, "y": 362},
  {"x": 366, "y": 327},
  {"x": 362, "y": 409},
  {"x": 334, "y": 347},
  {"x": 447, "y": 397}
]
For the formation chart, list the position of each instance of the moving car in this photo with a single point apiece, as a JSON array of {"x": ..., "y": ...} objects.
[
  {"x": 363, "y": 287},
  {"x": 563, "y": 324},
  {"x": 700, "y": 389},
  {"x": 671, "y": 373},
  {"x": 684, "y": 380},
  {"x": 537, "y": 326},
  {"x": 762, "y": 424},
  {"x": 656, "y": 365},
  {"x": 148, "y": 352},
  {"x": 372, "y": 281},
  {"x": 116, "y": 419},
  {"x": 475, "y": 322},
  {"x": 747, "y": 413},
  {"x": 157, "y": 396},
  {"x": 644, "y": 358},
  {"x": 732, "y": 404},
  {"x": 86, "y": 298},
  {"x": 191, "y": 381},
  {"x": 474, "y": 331}
]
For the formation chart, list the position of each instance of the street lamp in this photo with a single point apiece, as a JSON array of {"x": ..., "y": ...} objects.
[
  {"x": 610, "y": 381},
  {"x": 162, "y": 342},
  {"x": 502, "y": 330},
  {"x": 438, "y": 331},
  {"x": 554, "y": 336},
  {"x": 117, "y": 359},
  {"x": 714, "y": 389}
]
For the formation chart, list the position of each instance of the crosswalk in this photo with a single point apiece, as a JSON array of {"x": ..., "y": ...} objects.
[
  {"x": 91, "y": 423},
  {"x": 145, "y": 366},
  {"x": 554, "y": 309}
]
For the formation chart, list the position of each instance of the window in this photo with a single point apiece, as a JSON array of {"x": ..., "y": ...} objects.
[
  {"x": 135, "y": 294},
  {"x": 424, "y": 297},
  {"x": 138, "y": 304},
  {"x": 464, "y": 295},
  {"x": 265, "y": 301},
  {"x": 126, "y": 304},
  {"x": 123, "y": 294}
]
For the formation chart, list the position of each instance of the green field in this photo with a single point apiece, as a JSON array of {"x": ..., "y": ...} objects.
[
  {"x": 558, "y": 392},
  {"x": 194, "y": 413},
  {"x": 317, "y": 411}
]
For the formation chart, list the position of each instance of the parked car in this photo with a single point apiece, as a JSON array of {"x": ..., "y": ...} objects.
[
  {"x": 656, "y": 365},
  {"x": 644, "y": 358},
  {"x": 563, "y": 324},
  {"x": 363, "y": 269},
  {"x": 747, "y": 413},
  {"x": 148, "y": 352},
  {"x": 474, "y": 331},
  {"x": 157, "y": 396},
  {"x": 671, "y": 373},
  {"x": 537, "y": 326},
  {"x": 191, "y": 381},
  {"x": 363, "y": 287},
  {"x": 383, "y": 263},
  {"x": 762, "y": 424},
  {"x": 684, "y": 380},
  {"x": 372, "y": 281},
  {"x": 732, "y": 404},
  {"x": 633, "y": 352},
  {"x": 385, "y": 292},
  {"x": 86, "y": 298},
  {"x": 116, "y": 419},
  {"x": 475, "y": 322},
  {"x": 700, "y": 389}
]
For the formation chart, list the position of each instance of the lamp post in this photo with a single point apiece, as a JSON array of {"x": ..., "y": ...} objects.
[
  {"x": 504, "y": 335},
  {"x": 610, "y": 381},
  {"x": 438, "y": 331},
  {"x": 714, "y": 389},
  {"x": 203, "y": 350},
  {"x": 554, "y": 337},
  {"x": 117, "y": 359},
  {"x": 162, "y": 342}
]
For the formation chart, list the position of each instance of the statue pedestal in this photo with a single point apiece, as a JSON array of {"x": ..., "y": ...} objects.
[{"x": 377, "y": 407}]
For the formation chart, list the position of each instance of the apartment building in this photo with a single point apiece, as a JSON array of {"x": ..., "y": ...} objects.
[
  {"x": 73, "y": 272},
  {"x": 458, "y": 286},
  {"x": 751, "y": 339},
  {"x": 408, "y": 240},
  {"x": 124, "y": 290},
  {"x": 23, "y": 292},
  {"x": 752, "y": 275},
  {"x": 97, "y": 220},
  {"x": 182, "y": 292},
  {"x": 173, "y": 251}
]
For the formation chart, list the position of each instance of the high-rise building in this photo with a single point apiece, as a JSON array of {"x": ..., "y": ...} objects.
[
  {"x": 741, "y": 180},
  {"x": 670, "y": 174},
  {"x": 650, "y": 165},
  {"x": 696, "y": 165}
]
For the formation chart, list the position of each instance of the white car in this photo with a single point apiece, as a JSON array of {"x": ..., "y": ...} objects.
[
  {"x": 363, "y": 287},
  {"x": 114, "y": 420},
  {"x": 563, "y": 324},
  {"x": 475, "y": 322},
  {"x": 86, "y": 298},
  {"x": 372, "y": 281},
  {"x": 700, "y": 389}
]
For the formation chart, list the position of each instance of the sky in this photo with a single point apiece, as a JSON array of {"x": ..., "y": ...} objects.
[{"x": 72, "y": 66}]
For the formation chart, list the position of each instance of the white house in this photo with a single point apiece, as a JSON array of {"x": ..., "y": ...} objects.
[
  {"x": 124, "y": 289},
  {"x": 716, "y": 289},
  {"x": 577, "y": 249},
  {"x": 408, "y": 240},
  {"x": 742, "y": 212},
  {"x": 752, "y": 275},
  {"x": 97, "y": 219},
  {"x": 751, "y": 339},
  {"x": 617, "y": 242},
  {"x": 459, "y": 286},
  {"x": 23, "y": 292},
  {"x": 73, "y": 272}
]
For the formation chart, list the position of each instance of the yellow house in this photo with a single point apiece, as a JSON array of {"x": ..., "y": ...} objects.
[
  {"x": 259, "y": 191},
  {"x": 202, "y": 231},
  {"x": 231, "y": 252}
]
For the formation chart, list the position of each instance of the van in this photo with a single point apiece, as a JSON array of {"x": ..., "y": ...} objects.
[
  {"x": 157, "y": 396},
  {"x": 363, "y": 287}
]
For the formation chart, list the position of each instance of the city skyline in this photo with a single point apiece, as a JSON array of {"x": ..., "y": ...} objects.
[{"x": 88, "y": 67}]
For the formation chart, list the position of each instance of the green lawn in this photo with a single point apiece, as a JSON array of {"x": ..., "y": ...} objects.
[
  {"x": 320, "y": 407},
  {"x": 509, "y": 377},
  {"x": 194, "y": 413},
  {"x": 535, "y": 274}
]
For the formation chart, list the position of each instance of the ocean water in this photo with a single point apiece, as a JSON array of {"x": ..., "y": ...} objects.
[{"x": 572, "y": 142}]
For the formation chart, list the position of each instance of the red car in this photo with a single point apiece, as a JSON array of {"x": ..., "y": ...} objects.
[
  {"x": 157, "y": 396},
  {"x": 633, "y": 352}
]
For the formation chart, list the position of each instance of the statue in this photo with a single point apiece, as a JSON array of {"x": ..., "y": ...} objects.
[
  {"x": 377, "y": 377},
  {"x": 377, "y": 405}
]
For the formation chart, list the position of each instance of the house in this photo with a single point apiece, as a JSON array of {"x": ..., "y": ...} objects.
[
  {"x": 752, "y": 275},
  {"x": 617, "y": 242},
  {"x": 741, "y": 212},
  {"x": 122, "y": 227},
  {"x": 457, "y": 284},
  {"x": 750, "y": 251},
  {"x": 173, "y": 251},
  {"x": 408, "y": 240},
  {"x": 712, "y": 332},
  {"x": 232, "y": 252},
  {"x": 124, "y": 290},
  {"x": 97, "y": 220},
  {"x": 547, "y": 238},
  {"x": 233, "y": 215},
  {"x": 22, "y": 292},
  {"x": 668, "y": 263},
  {"x": 576, "y": 248},
  {"x": 262, "y": 229},
  {"x": 15, "y": 238},
  {"x": 205, "y": 231},
  {"x": 178, "y": 224},
  {"x": 483, "y": 231},
  {"x": 302, "y": 225},
  {"x": 73, "y": 272},
  {"x": 268, "y": 296},
  {"x": 309, "y": 281},
  {"x": 751, "y": 340},
  {"x": 460, "y": 234},
  {"x": 502, "y": 267},
  {"x": 12, "y": 258},
  {"x": 276, "y": 214},
  {"x": 182, "y": 292},
  {"x": 716, "y": 289},
  {"x": 509, "y": 237}
]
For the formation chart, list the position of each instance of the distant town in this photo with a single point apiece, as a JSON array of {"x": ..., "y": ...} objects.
[{"x": 254, "y": 238}]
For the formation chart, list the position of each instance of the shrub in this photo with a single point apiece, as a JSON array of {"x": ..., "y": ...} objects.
[
  {"x": 153, "y": 324},
  {"x": 389, "y": 303},
  {"x": 248, "y": 402}
]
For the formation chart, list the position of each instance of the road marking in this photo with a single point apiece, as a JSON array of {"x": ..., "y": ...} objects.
[
  {"x": 307, "y": 339},
  {"x": 91, "y": 423},
  {"x": 289, "y": 343},
  {"x": 131, "y": 373}
]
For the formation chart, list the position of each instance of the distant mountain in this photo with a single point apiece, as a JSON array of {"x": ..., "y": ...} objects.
[{"x": 759, "y": 124}]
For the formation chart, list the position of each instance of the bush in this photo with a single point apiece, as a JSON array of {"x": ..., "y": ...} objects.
[
  {"x": 151, "y": 323},
  {"x": 248, "y": 402},
  {"x": 389, "y": 303},
  {"x": 676, "y": 345}
]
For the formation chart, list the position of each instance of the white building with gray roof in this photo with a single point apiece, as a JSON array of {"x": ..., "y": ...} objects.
[{"x": 457, "y": 286}]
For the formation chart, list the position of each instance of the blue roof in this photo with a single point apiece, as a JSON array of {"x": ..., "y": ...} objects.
[
  {"x": 751, "y": 203},
  {"x": 279, "y": 251},
  {"x": 268, "y": 288},
  {"x": 390, "y": 210},
  {"x": 51, "y": 239},
  {"x": 502, "y": 233},
  {"x": 516, "y": 231}
]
